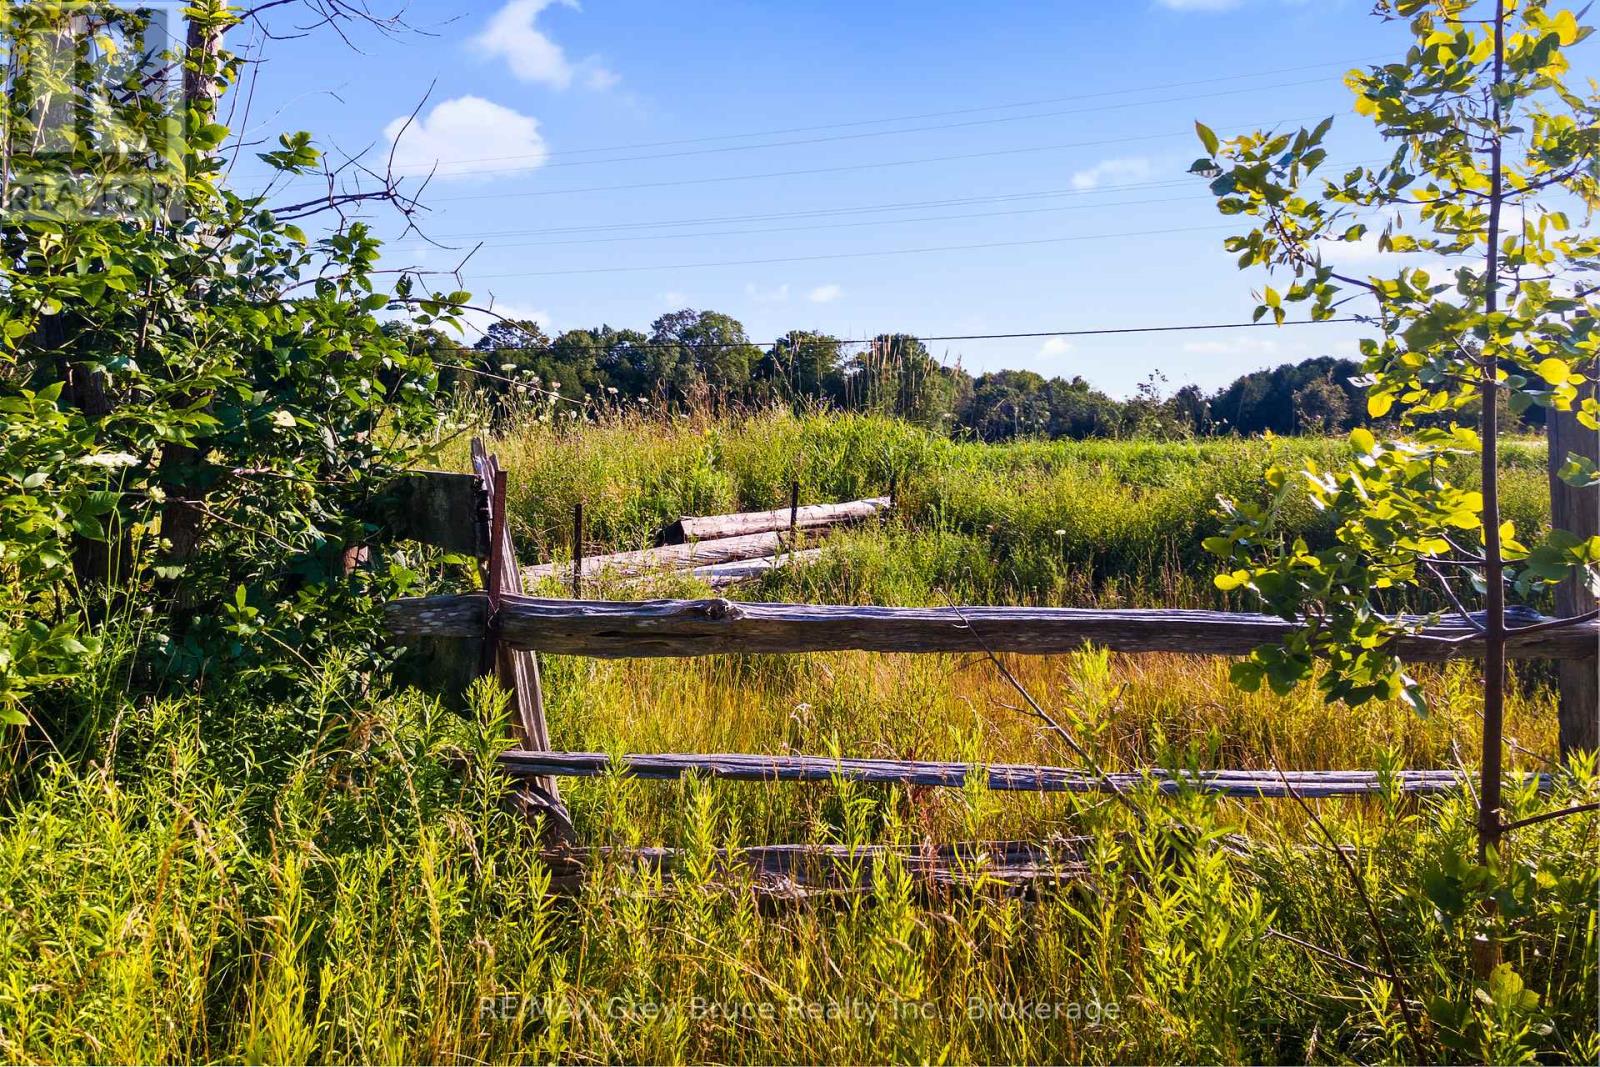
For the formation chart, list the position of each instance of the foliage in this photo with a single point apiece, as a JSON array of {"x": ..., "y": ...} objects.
[
  {"x": 1458, "y": 113},
  {"x": 604, "y": 370},
  {"x": 314, "y": 879},
  {"x": 198, "y": 397},
  {"x": 1027, "y": 521}
]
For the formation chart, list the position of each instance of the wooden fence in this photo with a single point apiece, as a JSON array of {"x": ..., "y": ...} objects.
[{"x": 500, "y": 630}]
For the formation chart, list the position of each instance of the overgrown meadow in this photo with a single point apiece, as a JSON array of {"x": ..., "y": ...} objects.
[{"x": 335, "y": 876}]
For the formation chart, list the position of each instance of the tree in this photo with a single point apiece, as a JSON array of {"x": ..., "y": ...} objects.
[
  {"x": 896, "y": 375},
  {"x": 1007, "y": 404},
  {"x": 1190, "y": 409},
  {"x": 1320, "y": 407},
  {"x": 604, "y": 358},
  {"x": 701, "y": 353},
  {"x": 1264, "y": 401},
  {"x": 802, "y": 365},
  {"x": 1079, "y": 411},
  {"x": 176, "y": 357},
  {"x": 1489, "y": 146},
  {"x": 1147, "y": 414}
]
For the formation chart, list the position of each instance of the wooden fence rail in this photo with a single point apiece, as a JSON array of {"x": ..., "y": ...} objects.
[
  {"x": 610, "y": 630},
  {"x": 1000, "y": 777},
  {"x": 466, "y": 513},
  {"x": 796, "y": 872}
]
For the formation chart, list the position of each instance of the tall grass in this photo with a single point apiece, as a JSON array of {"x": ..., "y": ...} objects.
[
  {"x": 219, "y": 887},
  {"x": 337, "y": 877},
  {"x": 1113, "y": 522}
]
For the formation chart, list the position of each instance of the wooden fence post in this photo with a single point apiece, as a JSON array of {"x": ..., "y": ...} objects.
[
  {"x": 1576, "y": 511},
  {"x": 794, "y": 514},
  {"x": 518, "y": 670},
  {"x": 577, "y": 550}
]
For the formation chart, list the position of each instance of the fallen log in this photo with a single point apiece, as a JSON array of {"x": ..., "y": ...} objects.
[
  {"x": 667, "y": 558},
  {"x": 1000, "y": 777},
  {"x": 799, "y": 871},
  {"x": 808, "y": 517},
  {"x": 607, "y": 629},
  {"x": 722, "y": 575}
]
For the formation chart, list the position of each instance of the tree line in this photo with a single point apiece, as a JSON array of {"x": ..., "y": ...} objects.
[{"x": 705, "y": 359}]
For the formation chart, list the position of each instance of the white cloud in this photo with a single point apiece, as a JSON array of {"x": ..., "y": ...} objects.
[
  {"x": 458, "y": 134},
  {"x": 1363, "y": 257},
  {"x": 531, "y": 55},
  {"x": 1095, "y": 176},
  {"x": 476, "y": 322},
  {"x": 825, "y": 294},
  {"x": 1055, "y": 346},
  {"x": 1234, "y": 346},
  {"x": 776, "y": 295}
]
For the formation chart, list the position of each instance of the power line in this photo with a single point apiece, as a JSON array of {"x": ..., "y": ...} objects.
[
  {"x": 1096, "y": 331},
  {"x": 838, "y": 169},
  {"x": 958, "y": 111},
  {"x": 839, "y": 225},
  {"x": 1103, "y": 331},
  {"x": 1185, "y": 181},
  {"x": 927, "y": 114},
  {"x": 859, "y": 255},
  {"x": 441, "y": 170},
  {"x": 903, "y": 205}
]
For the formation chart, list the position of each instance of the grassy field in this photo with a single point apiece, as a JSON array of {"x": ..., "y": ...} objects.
[
  {"x": 1109, "y": 522},
  {"x": 316, "y": 879}
]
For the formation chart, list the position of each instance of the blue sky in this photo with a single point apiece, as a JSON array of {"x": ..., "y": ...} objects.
[{"x": 607, "y": 155}]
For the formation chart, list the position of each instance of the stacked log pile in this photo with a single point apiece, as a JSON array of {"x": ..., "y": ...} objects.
[{"x": 724, "y": 550}]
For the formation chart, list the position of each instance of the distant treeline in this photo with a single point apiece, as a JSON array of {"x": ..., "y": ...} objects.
[{"x": 704, "y": 359}]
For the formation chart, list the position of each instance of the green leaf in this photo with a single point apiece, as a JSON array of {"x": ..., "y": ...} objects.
[
  {"x": 1579, "y": 471},
  {"x": 1553, "y": 370},
  {"x": 1207, "y": 138}
]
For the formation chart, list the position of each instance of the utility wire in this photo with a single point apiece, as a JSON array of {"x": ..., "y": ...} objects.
[
  {"x": 837, "y": 169},
  {"x": 860, "y": 255},
  {"x": 1097, "y": 331},
  {"x": 692, "y": 345},
  {"x": 636, "y": 146},
  {"x": 442, "y": 169},
  {"x": 947, "y": 114},
  {"x": 861, "y": 209},
  {"x": 807, "y": 227}
]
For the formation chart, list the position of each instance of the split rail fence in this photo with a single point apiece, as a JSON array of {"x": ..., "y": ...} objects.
[{"x": 500, "y": 630}]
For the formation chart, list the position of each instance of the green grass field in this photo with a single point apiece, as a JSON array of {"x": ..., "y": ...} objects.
[{"x": 319, "y": 879}]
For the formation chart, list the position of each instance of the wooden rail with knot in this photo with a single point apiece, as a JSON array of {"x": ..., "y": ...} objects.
[{"x": 656, "y": 628}]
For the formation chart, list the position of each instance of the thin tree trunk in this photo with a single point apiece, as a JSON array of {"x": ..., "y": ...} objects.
[
  {"x": 1487, "y": 947},
  {"x": 1494, "y": 637}
]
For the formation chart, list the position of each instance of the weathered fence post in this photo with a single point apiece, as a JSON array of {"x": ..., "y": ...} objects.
[
  {"x": 794, "y": 514},
  {"x": 577, "y": 550},
  {"x": 1576, "y": 511},
  {"x": 518, "y": 670}
]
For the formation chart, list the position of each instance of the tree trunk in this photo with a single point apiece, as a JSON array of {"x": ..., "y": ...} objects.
[{"x": 181, "y": 517}]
